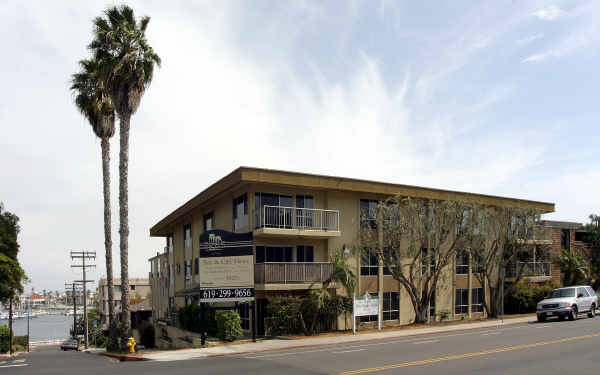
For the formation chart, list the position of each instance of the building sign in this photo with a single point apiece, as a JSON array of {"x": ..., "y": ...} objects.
[
  {"x": 226, "y": 266},
  {"x": 365, "y": 305}
]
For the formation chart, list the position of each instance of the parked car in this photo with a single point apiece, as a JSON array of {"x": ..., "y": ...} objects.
[
  {"x": 567, "y": 303},
  {"x": 70, "y": 344}
]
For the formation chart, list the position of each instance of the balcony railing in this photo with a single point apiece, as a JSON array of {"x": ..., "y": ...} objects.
[
  {"x": 529, "y": 269},
  {"x": 291, "y": 273},
  {"x": 297, "y": 218}
]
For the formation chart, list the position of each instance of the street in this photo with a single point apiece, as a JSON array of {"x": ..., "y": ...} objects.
[{"x": 534, "y": 348}]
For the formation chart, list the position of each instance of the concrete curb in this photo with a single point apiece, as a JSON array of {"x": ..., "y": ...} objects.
[
  {"x": 124, "y": 357},
  {"x": 350, "y": 339}
]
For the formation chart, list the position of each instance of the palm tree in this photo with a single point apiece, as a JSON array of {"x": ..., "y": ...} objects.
[
  {"x": 574, "y": 267},
  {"x": 94, "y": 103},
  {"x": 128, "y": 60}
]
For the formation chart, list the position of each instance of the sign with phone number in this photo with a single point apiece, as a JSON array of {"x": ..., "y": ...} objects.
[{"x": 227, "y": 294}]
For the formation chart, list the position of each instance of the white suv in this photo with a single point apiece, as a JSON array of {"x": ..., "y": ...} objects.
[{"x": 568, "y": 302}]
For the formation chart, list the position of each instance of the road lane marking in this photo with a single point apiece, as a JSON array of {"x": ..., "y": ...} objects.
[
  {"x": 546, "y": 326},
  {"x": 425, "y": 342},
  {"x": 491, "y": 333},
  {"x": 348, "y": 351},
  {"x": 468, "y": 355},
  {"x": 20, "y": 365}
]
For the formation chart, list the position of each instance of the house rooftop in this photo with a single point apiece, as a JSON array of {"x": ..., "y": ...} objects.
[{"x": 243, "y": 175}]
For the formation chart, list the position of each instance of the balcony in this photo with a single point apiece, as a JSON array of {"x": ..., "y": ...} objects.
[
  {"x": 291, "y": 275},
  {"x": 307, "y": 222},
  {"x": 540, "y": 270}
]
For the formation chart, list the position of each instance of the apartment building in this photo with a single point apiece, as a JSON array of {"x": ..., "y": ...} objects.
[
  {"x": 298, "y": 220},
  {"x": 139, "y": 289}
]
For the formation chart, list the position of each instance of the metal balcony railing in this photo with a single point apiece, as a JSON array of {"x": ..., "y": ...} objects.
[
  {"x": 529, "y": 269},
  {"x": 297, "y": 218},
  {"x": 290, "y": 273}
]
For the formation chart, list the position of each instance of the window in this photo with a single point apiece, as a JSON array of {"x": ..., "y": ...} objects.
[
  {"x": 244, "y": 311},
  {"x": 270, "y": 254},
  {"x": 462, "y": 262},
  {"x": 462, "y": 301},
  {"x": 387, "y": 255},
  {"x": 368, "y": 213},
  {"x": 188, "y": 270},
  {"x": 178, "y": 266},
  {"x": 565, "y": 239},
  {"x": 273, "y": 210},
  {"x": 590, "y": 291},
  {"x": 391, "y": 306},
  {"x": 477, "y": 300},
  {"x": 117, "y": 288},
  {"x": 169, "y": 247},
  {"x": 478, "y": 261},
  {"x": 582, "y": 291},
  {"x": 209, "y": 221},
  {"x": 304, "y": 212},
  {"x": 427, "y": 260},
  {"x": 305, "y": 254},
  {"x": 369, "y": 263},
  {"x": 187, "y": 236},
  {"x": 240, "y": 212},
  {"x": 132, "y": 287},
  {"x": 196, "y": 266}
]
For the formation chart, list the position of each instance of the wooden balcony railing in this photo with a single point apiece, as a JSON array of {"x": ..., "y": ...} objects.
[{"x": 291, "y": 273}]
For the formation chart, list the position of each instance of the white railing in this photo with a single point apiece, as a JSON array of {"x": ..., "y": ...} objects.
[
  {"x": 289, "y": 273},
  {"x": 297, "y": 218}
]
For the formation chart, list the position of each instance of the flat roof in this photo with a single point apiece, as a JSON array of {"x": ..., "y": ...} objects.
[{"x": 331, "y": 183}]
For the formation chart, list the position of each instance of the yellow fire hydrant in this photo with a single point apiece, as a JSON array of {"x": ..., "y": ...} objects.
[{"x": 131, "y": 345}]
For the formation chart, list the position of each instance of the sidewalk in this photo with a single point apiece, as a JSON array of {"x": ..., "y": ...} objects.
[{"x": 279, "y": 344}]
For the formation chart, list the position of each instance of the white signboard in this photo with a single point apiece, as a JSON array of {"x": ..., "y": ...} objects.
[{"x": 366, "y": 305}]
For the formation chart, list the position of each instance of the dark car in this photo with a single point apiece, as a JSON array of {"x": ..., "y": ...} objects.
[{"x": 70, "y": 344}]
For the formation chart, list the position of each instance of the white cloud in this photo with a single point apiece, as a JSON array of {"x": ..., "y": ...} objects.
[
  {"x": 549, "y": 13},
  {"x": 529, "y": 39}
]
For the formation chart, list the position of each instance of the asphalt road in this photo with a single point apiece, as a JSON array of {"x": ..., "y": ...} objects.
[{"x": 537, "y": 348}]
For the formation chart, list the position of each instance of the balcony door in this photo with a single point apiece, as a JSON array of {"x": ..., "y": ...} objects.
[
  {"x": 274, "y": 210},
  {"x": 304, "y": 211}
]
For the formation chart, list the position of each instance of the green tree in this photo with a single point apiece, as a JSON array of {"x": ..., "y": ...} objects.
[
  {"x": 128, "y": 62},
  {"x": 93, "y": 101},
  {"x": 574, "y": 266},
  {"x": 12, "y": 275}
]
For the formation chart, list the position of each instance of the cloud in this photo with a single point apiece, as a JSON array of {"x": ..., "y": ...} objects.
[
  {"x": 529, "y": 39},
  {"x": 549, "y": 13}
]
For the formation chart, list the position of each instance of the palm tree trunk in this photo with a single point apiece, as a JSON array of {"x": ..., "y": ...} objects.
[
  {"x": 124, "y": 224},
  {"x": 112, "y": 332}
]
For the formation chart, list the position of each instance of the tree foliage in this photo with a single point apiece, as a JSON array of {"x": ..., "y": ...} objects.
[
  {"x": 501, "y": 236},
  {"x": 416, "y": 239},
  {"x": 574, "y": 267},
  {"x": 12, "y": 275}
]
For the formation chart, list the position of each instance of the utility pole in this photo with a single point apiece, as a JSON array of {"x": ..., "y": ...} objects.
[
  {"x": 84, "y": 255},
  {"x": 73, "y": 296}
]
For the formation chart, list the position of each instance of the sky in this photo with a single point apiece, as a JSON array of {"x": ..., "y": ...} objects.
[{"x": 489, "y": 97}]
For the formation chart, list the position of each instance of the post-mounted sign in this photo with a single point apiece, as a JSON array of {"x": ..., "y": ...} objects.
[{"x": 226, "y": 267}]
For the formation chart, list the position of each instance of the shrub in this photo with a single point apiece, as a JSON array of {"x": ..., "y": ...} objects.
[
  {"x": 525, "y": 297},
  {"x": 197, "y": 319},
  {"x": 20, "y": 340},
  {"x": 4, "y": 339},
  {"x": 283, "y": 315},
  {"x": 229, "y": 325}
]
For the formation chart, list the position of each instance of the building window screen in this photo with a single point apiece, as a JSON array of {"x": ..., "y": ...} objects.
[
  {"x": 209, "y": 221},
  {"x": 462, "y": 301},
  {"x": 368, "y": 213},
  {"x": 462, "y": 262},
  {"x": 240, "y": 212},
  {"x": 369, "y": 263},
  {"x": 305, "y": 254},
  {"x": 565, "y": 239},
  {"x": 477, "y": 300},
  {"x": 391, "y": 306},
  {"x": 274, "y": 254}
]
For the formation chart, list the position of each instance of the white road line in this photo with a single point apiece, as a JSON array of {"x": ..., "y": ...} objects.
[
  {"x": 546, "y": 326},
  {"x": 425, "y": 342},
  {"x": 348, "y": 351},
  {"x": 21, "y": 365},
  {"x": 491, "y": 333}
]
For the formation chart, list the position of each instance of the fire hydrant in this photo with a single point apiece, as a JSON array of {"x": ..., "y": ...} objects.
[{"x": 131, "y": 345}]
